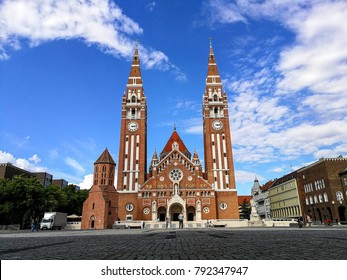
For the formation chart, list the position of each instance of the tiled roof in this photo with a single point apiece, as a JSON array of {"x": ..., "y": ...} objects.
[
  {"x": 175, "y": 138},
  {"x": 241, "y": 198},
  {"x": 105, "y": 157}
]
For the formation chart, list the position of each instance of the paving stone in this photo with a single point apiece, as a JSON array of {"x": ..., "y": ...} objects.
[{"x": 178, "y": 244}]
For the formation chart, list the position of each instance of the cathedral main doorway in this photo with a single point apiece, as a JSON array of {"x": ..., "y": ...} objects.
[
  {"x": 162, "y": 214},
  {"x": 175, "y": 210}
]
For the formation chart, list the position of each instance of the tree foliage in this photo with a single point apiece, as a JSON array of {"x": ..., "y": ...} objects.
[
  {"x": 23, "y": 199},
  {"x": 245, "y": 210}
]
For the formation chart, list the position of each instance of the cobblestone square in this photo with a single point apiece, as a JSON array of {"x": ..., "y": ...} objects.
[{"x": 188, "y": 244}]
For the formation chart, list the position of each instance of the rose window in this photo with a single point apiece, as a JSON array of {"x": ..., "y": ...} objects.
[{"x": 176, "y": 174}]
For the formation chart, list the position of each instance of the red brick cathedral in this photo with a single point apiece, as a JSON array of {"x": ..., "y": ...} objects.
[{"x": 175, "y": 181}]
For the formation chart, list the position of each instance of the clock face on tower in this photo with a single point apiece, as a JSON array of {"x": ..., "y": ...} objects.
[
  {"x": 133, "y": 126},
  {"x": 217, "y": 125}
]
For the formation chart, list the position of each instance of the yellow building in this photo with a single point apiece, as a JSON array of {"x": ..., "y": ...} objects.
[{"x": 284, "y": 198}]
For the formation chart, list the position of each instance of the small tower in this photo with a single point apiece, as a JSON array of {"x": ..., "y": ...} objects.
[
  {"x": 256, "y": 187},
  {"x": 104, "y": 171},
  {"x": 100, "y": 208},
  {"x": 154, "y": 163}
]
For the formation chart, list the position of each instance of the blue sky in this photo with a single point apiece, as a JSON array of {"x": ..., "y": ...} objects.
[{"x": 64, "y": 67}]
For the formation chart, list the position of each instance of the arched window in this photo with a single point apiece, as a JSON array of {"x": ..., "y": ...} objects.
[
  {"x": 133, "y": 99},
  {"x": 339, "y": 196},
  {"x": 216, "y": 111},
  {"x": 325, "y": 197},
  {"x": 320, "y": 197}
]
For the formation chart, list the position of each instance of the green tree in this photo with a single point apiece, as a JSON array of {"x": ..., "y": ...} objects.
[
  {"x": 245, "y": 210},
  {"x": 21, "y": 200},
  {"x": 75, "y": 199}
]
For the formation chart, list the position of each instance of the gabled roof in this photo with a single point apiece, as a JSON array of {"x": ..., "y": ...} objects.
[
  {"x": 105, "y": 157},
  {"x": 267, "y": 185},
  {"x": 241, "y": 198},
  {"x": 168, "y": 147}
]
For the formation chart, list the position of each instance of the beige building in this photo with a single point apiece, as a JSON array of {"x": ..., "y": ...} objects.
[{"x": 284, "y": 198}]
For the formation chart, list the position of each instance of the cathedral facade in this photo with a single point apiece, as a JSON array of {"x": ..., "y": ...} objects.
[{"x": 175, "y": 181}]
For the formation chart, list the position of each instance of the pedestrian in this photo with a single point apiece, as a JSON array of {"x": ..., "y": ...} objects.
[
  {"x": 300, "y": 222},
  {"x": 309, "y": 220},
  {"x": 167, "y": 221},
  {"x": 337, "y": 220},
  {"x": 180, "y": 220},
  {"x": 143, "y": 224},
  {"x": 33, "y": 227}
]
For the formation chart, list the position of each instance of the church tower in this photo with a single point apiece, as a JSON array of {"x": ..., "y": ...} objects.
[
  {"x": 100, "y": 208},
  {"x": 219, "y": 166},
  {"x": 133, "y": 133}
]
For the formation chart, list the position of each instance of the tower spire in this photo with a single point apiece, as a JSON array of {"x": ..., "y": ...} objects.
[
  {"x": 135, "y": 78},
  {"x": 212, "y": 70}
]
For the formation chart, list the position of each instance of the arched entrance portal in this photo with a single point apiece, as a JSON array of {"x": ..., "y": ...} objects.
[
  {"x": 162, "y": 214},
  {"x": 175, "y": 210},
  {"x": 191, "y": 213},
  {"x": 92, "y": 222},
  {"x": 342, "y": 213}
]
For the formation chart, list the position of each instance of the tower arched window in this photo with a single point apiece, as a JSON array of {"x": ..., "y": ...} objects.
[
  {"x": 215, "y": 97},
  {"x": 133, "y": 99}
]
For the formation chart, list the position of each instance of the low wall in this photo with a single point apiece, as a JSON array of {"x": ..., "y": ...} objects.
[
  {"x": 73, "y": 225},
  {"x": 274, "y": 223}
]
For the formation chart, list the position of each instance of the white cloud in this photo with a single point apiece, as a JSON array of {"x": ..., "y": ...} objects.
[
  {"x": 277, "y": 170},
  {"x": 318, "y": 59},
  {"x": 35, "y": 159},
  {"x": 74, "y": 164},
  {"x": 6, "y": 157},
  {"x": 293, "y": 101},
  {"x": 243, "y": 176},
  {"x": 150, "y": 6},
  {"x": 87, "y": 182},
  {"x": 26, "y": 164},
  {"x": 222, "y": 11},
  {"x": 98, "y": 22}
]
